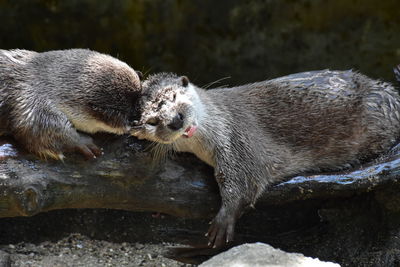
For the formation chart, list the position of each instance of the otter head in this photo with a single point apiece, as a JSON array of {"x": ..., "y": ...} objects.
[
  {"x": 169, "y": 109},
  {"x": 111, "y": 91}
]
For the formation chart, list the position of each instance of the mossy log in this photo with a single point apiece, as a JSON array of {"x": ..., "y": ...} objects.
[{"x": 126, "y": 177}]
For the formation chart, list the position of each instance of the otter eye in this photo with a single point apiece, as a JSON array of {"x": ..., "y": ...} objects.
[{"x": 152, "y": 122}]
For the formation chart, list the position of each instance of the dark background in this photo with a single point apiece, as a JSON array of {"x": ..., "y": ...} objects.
[{"x": 208, "y": 39}]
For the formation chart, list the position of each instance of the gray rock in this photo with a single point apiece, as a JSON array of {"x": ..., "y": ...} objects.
[
  {"x": 5, "y": 260},
  {"x": 259, "y": 254}
]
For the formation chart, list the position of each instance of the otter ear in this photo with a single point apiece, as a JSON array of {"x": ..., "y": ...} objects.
[
  {"x": 140, "y": 74},
  {"x": 184, "y": 81}
]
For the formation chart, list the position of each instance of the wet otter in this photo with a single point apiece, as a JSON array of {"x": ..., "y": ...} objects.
[
  {"x": 260, "y": 133},
  {"x": 46, "y": 97}
]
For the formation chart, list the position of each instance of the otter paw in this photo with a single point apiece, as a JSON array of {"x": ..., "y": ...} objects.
[
  {"x": 222, "y": 229},
  {"x": 87, "y": 148}
]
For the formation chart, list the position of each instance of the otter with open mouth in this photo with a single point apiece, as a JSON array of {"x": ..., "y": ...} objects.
[{"x": 258, "y": 134}]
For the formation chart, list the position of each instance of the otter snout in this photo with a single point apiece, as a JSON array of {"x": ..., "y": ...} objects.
[{"x": 177, "y": 122}]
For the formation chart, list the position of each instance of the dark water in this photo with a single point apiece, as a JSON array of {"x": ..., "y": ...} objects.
[{"x": 208, "y": 40}]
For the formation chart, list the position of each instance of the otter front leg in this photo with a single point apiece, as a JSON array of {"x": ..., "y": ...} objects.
[
  {"x": 234, "y": 202},
  {"x": 86, "y": 147},
  {"x": 48, "y": 133},
  {"x": 53, "y": 145},
  {"x": 222, "y": 228},
  {"x": 50, "y": 145}
]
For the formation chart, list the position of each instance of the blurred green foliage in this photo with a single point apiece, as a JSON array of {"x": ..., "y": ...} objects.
[{"x": 208, "y": 39}]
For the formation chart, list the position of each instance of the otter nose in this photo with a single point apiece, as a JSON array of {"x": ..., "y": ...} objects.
[{"x": 177, "y": 122}]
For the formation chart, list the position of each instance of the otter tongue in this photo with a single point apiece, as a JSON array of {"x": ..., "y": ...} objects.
[{"x": 189, "y": 132}]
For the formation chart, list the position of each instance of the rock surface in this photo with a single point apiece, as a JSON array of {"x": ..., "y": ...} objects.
[
  {"x": 5, "y": 260},
  {"x": 263, "y": 255}
]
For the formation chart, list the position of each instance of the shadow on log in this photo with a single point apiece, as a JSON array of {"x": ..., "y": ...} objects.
[{"x": 126, "y": 177}]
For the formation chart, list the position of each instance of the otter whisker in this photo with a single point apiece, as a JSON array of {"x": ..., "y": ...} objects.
[
  {"x": 208, "y": 85},
  {"x": 160, "y": 152}
]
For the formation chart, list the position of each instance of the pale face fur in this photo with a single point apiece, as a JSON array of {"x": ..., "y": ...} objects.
[{"x": 162, "y": 103}]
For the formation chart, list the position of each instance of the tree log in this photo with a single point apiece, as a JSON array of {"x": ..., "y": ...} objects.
[{"x": 126, "y": 177}]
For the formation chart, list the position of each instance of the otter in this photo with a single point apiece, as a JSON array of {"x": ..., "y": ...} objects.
[
  {"x": 261, "y": 133},
  {"x": 46, "y": 97}
]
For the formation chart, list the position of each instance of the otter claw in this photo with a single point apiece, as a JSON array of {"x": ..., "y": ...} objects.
[
  {"x": 90, "y": 151},
  {"x": 221, "y": 230},
  {"x": 86, "y": 151},
  {"x": 86, "y": 147},
  {"x": 216, "y": 234}
]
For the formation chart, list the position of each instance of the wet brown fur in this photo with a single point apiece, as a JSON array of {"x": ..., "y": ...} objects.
[
  {"x": 46, "y": 97},
  {"x": 259, "y": 134}
]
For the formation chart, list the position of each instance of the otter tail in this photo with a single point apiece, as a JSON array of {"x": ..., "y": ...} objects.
[{"x": 396, "y": 71}]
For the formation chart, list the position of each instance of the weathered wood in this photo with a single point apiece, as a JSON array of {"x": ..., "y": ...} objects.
[{"x": 125, "y": 177}]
